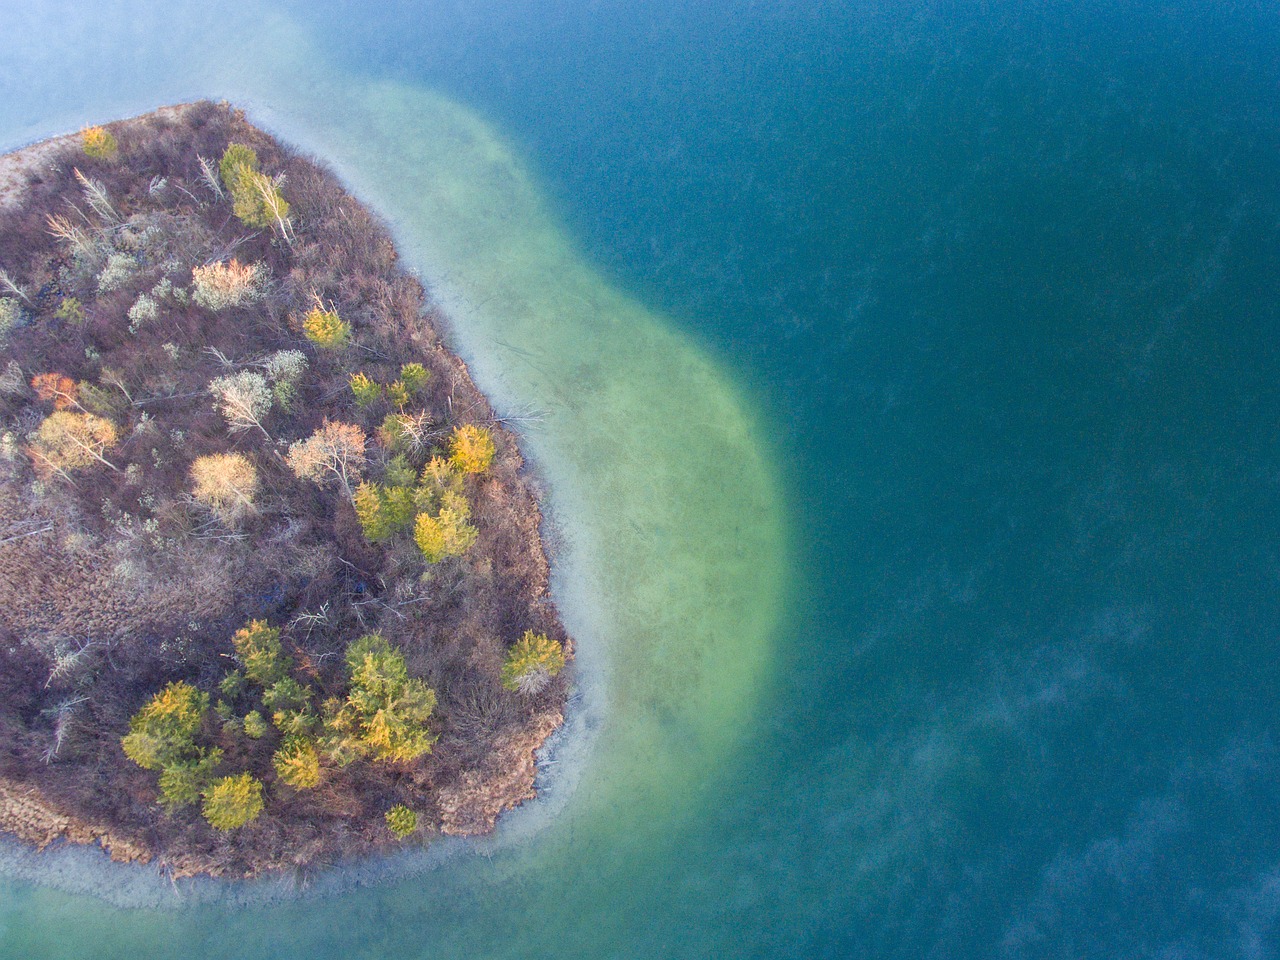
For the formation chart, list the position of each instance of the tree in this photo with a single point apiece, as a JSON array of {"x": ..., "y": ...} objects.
[
  {"x": 414, "y": 376},
  {"x": 471, "y": 449},
  {"x": 258, "y": 649},
  {"x": 98, "y": 143},
  {"x": 335, "y": 451},
  {"x": 401, "y": 820},
  {"x": 531, "y": 663},
  {"x": 440, "y": 487},
  {"x": 297, "y": 763},
  {"x": 243, "y": 399},
  {"x": 255, "y": 197},
  {"x": 407, "y": 433},
  {"x": 325, "y": 328},
  {"x": 225, "y": 483},
  {"x": 383, "y": 511},
  {"x": 233, "y": 801},
  {"x": 163, "y": 731},
  {"x": 448, "y": 534},
  {"x": 386, "y": 711},
  {"x": 366, "y": 390},
  {"x": 236, "y": 160},
  {"x": 57, "y": 387},
  {"x": 182, "y": 782},
  {"x": 67, "y": 441}
]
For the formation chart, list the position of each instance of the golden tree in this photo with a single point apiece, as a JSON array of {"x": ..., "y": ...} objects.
[
  {"x": 163, "y": 731},
  {"x": 386, "y": 711},
  {"x": 471, "y": 448},
  {"x": 297, "y": 763},
  {"x": 258, "y": 648},
  {"x": 531, "y": 663},
  {"x": 367, "y": 391},
  {"x": 99, "y": 143},
  {"x": 67, "y": 441},
  {"x": 448, "y": 534},
  {"x": 225, "y": 483},
  {"x": 233, "y": 801},
  {"x": 383, "y": 511},
  {"x": 325, "y": 328}
]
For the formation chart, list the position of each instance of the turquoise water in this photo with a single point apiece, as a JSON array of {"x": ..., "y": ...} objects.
[{"x": 911, "y": 393}]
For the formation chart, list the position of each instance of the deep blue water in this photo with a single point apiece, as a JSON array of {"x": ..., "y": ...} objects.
[{"x": 1001, "y": 279}]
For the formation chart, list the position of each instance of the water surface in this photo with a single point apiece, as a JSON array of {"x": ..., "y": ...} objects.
[{"x": 913, "y": 396}]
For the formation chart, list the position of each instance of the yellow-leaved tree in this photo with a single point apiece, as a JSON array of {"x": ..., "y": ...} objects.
[
  {"x": 68, "y": 441},
  {"x": 385, "y": 713},
  {"x": 531, "y": 663},
  {"x": 471, "y": 448},
  {"x": 233, "y": 801}
]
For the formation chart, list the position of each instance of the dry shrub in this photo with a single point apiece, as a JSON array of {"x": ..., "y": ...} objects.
[
  {"x": 225, "y": 483},
  {"x": 219, "y": 286}
]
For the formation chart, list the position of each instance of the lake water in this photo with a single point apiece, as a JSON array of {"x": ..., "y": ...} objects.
[{"x": 908, "y": 382}]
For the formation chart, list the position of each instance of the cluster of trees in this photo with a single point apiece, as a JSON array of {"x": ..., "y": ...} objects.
[{"x": 381, "y": 715}]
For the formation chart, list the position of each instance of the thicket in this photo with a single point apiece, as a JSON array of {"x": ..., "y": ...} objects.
[{"x": 263, "y": 547}]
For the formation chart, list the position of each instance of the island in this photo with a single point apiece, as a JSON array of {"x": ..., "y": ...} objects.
[{"x": 273, "y": 589}]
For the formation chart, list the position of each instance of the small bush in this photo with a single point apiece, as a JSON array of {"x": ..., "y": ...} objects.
[
  {"x": 99, "y": 143},
  {"x": 531, "y": 663},
  {"x": 471, "y": 449},
  {"x": 220, "y": 286},
  {"x": 233, "y": 801},
  {"x": 326, "y": 329},
  {"x": 144, "y": 310},
  {"x": 225, "y": 483},
  {"x": 401, "y": 820},
  {"x": 118, "y": 271}
]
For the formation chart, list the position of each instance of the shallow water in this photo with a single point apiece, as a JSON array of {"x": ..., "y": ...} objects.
[{"x": 910, "y": 393}]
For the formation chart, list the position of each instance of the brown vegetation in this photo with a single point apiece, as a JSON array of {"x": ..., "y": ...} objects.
[{"x": 180, "y": 452}]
